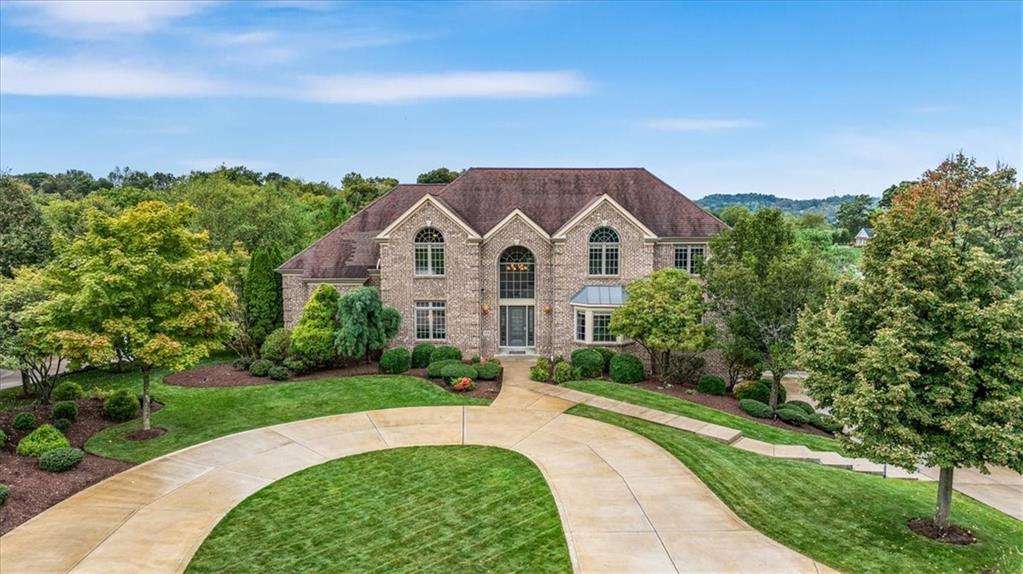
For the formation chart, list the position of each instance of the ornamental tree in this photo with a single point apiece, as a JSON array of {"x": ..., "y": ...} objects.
[
  {"x": 24, "y": 234},
  {"x": 366, "y": 325},
  {"x": 664, "y": 313},
  {"x": 312, "y": 339},
  {"x": 922, "y": 357},
  {"x": 263, "y": 309},
  {"x": 141, "y": 286}
]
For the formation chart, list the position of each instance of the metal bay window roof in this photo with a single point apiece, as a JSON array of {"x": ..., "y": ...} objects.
[{"x": 600, "y": 296}]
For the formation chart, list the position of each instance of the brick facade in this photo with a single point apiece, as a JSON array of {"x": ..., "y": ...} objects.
[{"x": 297, "y": 291}]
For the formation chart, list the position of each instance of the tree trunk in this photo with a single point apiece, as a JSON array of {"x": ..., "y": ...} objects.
[
  {"x": 25, "y": 382},
  {"x": 775, "y": 385},
  {"x": 145, "y": 398},
  {"x": 944, "y": 499}
]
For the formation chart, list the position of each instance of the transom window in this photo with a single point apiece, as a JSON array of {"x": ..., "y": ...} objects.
[
  {"x": 604, "y": 251},
  {"x": 689, "y": 258},
  {"x": 517, "y": 274},
  {"x": 429, "y": 252},
  {"x": 431, "y": 320}
]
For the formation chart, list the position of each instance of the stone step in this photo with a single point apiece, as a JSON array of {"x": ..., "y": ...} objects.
[
  {"x": 795, "y": 452},
  {"x": 866, "y": 467},
  {"x": 755, "y": 446},
  {"x": 834, "y": 460}
]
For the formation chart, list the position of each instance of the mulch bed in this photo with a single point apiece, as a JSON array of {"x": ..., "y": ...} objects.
[{"x": 951, "y": 535}]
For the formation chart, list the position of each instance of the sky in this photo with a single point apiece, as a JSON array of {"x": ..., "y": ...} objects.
[{"x": 793, "y": 99}]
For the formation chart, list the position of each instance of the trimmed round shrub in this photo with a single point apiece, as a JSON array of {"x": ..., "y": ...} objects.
[
  {"x": 759, "y": 391},
  {"x": 395, "y": 361},
  {"x": 242, "y": 363},
  {"x": 793, "y": 416},
  {"x": 607, "y": 355},
  {"x": 68, "y": 391},
  {"x": 62, "y": 425},
  {"x": 475, "y": 360},
  {"x": 755, "y": 408},
  {"x": 421, "y": 355},
  {"x": 65, "y": 410},
  {"x": 435, "y": 368},
  {"x": 589, "y": 362},
  {"x": 565, "y": 372},
  {"x": 488, "y": 371},
  {"x": 24, "y": 421},
  {"x": 43, "y": 439},
  {"x": 61, "y": 459},
  {"x": 260, "y": 368},
  {"x": 279, "y": 373},
  {"x": 801, "y": 405},
  {"x": 626, "y": 369},
  {"x": 540, "y": 371},
  {"x": 120, "y": 406},
  {"x": 826, "y": 423},
  {"x": 3, "y": 438},
  {"x": 458, "y": 370},
  {"x": 277, "y": 346},
  {"x": 711, "y": 385},
  {"x": 445, "y": 353},
  {"x": 5, "y": 493},
  {"x": 294, "y": 365}
]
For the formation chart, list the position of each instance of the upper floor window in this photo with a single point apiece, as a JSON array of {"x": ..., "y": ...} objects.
[
  {"x": 517, "y": 273},
  {"x": 689, "y": 258},
  {"x": 429, "y": 252},
  {"x": 604, "y": 251}
]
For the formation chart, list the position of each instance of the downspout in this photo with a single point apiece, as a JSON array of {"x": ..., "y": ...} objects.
[{"x": 554, "y": 308}]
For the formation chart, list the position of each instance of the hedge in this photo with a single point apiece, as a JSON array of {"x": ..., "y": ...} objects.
[
  {"x": 488, "y": 371},
  {"x": 68, "y": 391},
  {"x": 260, "y": 368},
  {"x": 279, "y": 373},
  {"x": 395, "y": 361},
  {"x": 435, "y": 368},
  {"x": 826, "y": 423},
  {"x": 457, "y": 371},
  {"x": 61, "y": 459},
  {"x": 801, "y": 405},
  {"x": 759, "y": 391},
  {"x": 626, "y": 369},
  {"x": 756, "y": 408},
  {"x": 421, "y": 355},
  {"x": 445, "y": 353},
  {"x": 607, "y": 355},
  {"x": 793, "y": 416},
  {"x": 589, "y": 362},
  {"x": 711, "y": 385}
]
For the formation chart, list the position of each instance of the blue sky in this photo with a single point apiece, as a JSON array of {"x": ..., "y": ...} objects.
[{"x": 794, "y": 99}]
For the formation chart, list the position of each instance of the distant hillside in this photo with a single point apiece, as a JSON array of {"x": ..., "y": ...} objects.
[{"x": 755, "y": 201}]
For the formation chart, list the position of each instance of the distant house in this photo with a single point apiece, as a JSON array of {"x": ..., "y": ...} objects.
[{"x": 863, "y": 237}]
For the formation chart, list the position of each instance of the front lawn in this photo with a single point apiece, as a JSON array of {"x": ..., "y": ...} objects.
[
  {"x": 751, "y": 429},
  {"x": 417, "y": 509},
  {"x": 849, "y": 521}
]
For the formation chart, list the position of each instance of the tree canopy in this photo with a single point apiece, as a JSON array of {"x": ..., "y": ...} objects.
[
  {"x": 24, "y": 234},
  {"x": 439, "y": 175},
  {"x": 365, "y": 324},
  {"x": 855, "y": 214}
]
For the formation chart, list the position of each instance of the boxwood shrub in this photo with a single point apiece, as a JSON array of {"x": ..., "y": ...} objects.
[
  {"x": 606, "y": 354},
  {"x": 488, "y": 371},
  {"x": 457, "y": 370},
  {"x": 395, "y": 361},
  {"x": 120, "y": 406},
  {"x": 68, "y": 391},
  {"x": 61, "y": 459},
  {"x": 711, "y": 385},
  {"x": 65, "y": 410},
  {"x": 445, "y": 353},
  {"x": 801, "y": 405},
  {"x": 589, "y": 362},
  {"x": 627, "y": 369},
  {"x": 279, "y": 373},
  {"x": 260, "y": 368},
  {"x": 434, "y": 369},
  {"x": 242, "y": 363},
  {"x": 277, "y": 346},
  {"x": 63, "y": 425},
  {"x": 294, "y": 365},
  {"x": 759, "y": 391},
  {"x": 565, "y": 372},
  {"x": 540, "y": 371},
  {"x": 793, "y": 416},
  {"x": 24, "y": 421},
  {"x": 755, "y": 408},
  {"x": 421, "y": 355},
  {"x": 5, "y": 492},
  {"x": 43, "y": 439},
  {"x": 826, "y": 423}
]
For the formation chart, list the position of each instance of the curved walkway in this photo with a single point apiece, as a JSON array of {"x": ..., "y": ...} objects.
[{"x": 626, "y": 505}]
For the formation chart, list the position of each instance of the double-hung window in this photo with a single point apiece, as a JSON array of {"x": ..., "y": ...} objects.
[
  {"x": 689, "y": 258},
  {"x": 429, "y": 252},
  {"x": 604, "y": 251},
  {"x": 580, "y": 326},
  {"x": 431, "y": 320}
]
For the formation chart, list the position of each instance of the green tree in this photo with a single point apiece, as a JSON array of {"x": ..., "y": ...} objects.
[
  {"x": 759, "y": 278},
  {"x": 312, "y": 339},
  {"x": 733, "y": 213},
  {"x": 141, "y": 285},
  {"x": 24, "y": 235},
  {"x": 891, "y": 191},
  {"x": 366, "y": 325},
  {"x": 663, "y": 313},
  {"x": 439, "y": 175},
  {"x": 854, "y": 215},
  {"x": 921, "y": 357},
  {"x": 264, "y": 311},
  {"x": 359, "y": 191}
]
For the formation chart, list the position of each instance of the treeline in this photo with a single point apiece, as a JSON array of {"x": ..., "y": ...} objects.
[{"x": 828, "y": 206}]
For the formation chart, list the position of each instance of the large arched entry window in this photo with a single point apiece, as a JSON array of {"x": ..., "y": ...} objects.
[{"x": 516, "y": 277}]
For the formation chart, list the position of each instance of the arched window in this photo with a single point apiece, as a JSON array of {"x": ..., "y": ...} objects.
[
  {"x": 604, "y": 251},
  {"x": 517, "y": 274},
  {"x": 429, "y": 252}
]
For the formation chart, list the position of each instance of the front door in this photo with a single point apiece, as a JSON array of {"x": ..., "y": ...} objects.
[{"x": 516, "y": 326}]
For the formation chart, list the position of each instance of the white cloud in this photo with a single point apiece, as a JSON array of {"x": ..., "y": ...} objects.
[
  {"x": 698, "y": 124},
  {"x": 79, "y": 18},
  {"x": 373, "y": 88},
  {"x": 63, "y": 77}
]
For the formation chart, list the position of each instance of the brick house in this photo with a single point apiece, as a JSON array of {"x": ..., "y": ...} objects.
[{"x": 514, "y": 261}]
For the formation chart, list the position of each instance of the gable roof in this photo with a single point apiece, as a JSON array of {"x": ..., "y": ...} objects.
[
  {"x": 484, "y": 197},
  {"x": 866, "y": 233}
]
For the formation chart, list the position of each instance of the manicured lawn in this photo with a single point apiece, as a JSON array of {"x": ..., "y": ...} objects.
[
  {"x": 751, "y": 429},
  {"x": 849, "y": 521},
  {"x": 417, "y": 509}
]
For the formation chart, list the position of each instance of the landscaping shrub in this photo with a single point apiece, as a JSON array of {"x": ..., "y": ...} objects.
[
  {"x": 825, "y": 423},
  {"x": 801, "y": 405},
  {"x": 540, "y": 371},
  {"x": 62, "y": 425},
  {"x": 24, "y": 421},
  {"x": 242, "y": 363},
  {"x": 279, "y": 373},
  {"x": 65, "y": 410},
  {"x": 711, "y": 385},
  {"x": 445, "y": 353},
  {"x": 3, "y": 438},
  {"x": 421, "y": 355},
  {"x": 61, "y": 459},
  {"x": 395, "y": 361},
  {"x": 685, "y": 368},
  {"x": 277, "y": 346},
  {"x": 564, "y": 372},
  {"x": 5, "y": 492},
  {"x": 312, "y": 339},
  {"x": 457, "y": 370},
  {"x": 607, "y": 355},
  {"x": 435, "y": 368},
  {"x": 755, "y": 408},
  {"x": 793, "y": 416},
  {"x": 488, "y": 371},
  {"x": 463, "y": 385},
  {"x": 294, "y": 365},
  {"x": 100, "y": 394},
  {"x": 759, "y": 391},
  {"x": 43, "y": 439},
  {"x": 260, "y": 368},
  {"x": 475, "y": 360},
  {"x": 120, "y": 406},
  {"x": 68, "y": 391},
  {"x": 627, "y": 369},
  {"x": 589, "y": 362}
]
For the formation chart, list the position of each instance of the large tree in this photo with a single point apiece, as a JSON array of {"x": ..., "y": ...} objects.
[
  {"x": 439, "y": 175},
  {"x": 854, "y": 214},
  {"x": 365, "y": 324},
  {"x": 264, "y": 311},
  {"x": 922, "y": 357},
  {"x": 143, "y": 286},
  {"x": 24, "y": 235},
  {"x": 664, "y": 313},
  {"x": 759, "y": 279}
]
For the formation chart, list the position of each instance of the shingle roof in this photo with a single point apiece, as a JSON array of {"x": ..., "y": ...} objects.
[{"x": 484, "y": 196}]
